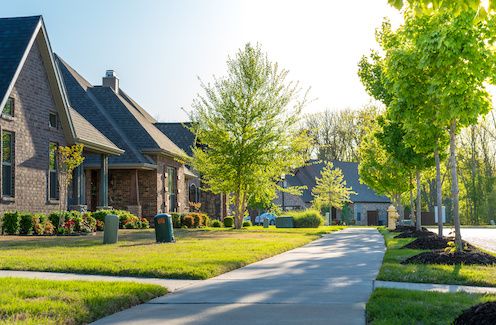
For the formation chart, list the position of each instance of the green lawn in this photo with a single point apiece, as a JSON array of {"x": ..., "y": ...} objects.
[
  {"x": 197, "y": 254},
  {"x": 392, "y": 270},
  {"x": 26, "y": 301},
  {"x": 396, "y": 306}
]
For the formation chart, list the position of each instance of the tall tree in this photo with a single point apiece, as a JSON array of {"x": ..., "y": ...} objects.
[
  {"x": 247, "y": 123},
  {"x": 330, "y": 189}
]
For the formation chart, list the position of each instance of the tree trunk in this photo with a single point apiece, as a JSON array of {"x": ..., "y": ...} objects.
[
  {"x": 439, "y": 194},
  {"x": 237, "y": 209},
  {"x": 418, "y": 220},
  {"x": 412, "y": 207},
  {"x": 454, "y": 187}
]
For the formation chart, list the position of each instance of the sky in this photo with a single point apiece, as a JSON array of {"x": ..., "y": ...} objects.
[{"x": 160, "y": 49}]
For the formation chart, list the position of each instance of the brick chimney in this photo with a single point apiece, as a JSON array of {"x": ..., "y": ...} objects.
[{"x": 110, "y": 80}]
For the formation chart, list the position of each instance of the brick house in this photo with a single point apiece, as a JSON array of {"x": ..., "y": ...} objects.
[
  {"x": 35, "y": 119},
  {"x": 212, "y": 204},
  {"x": 149, "y": 177},
  {"x": 368, "y": 208}
]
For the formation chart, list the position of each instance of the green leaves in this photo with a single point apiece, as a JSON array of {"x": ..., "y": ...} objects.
[{"x": 330, "y": 188}]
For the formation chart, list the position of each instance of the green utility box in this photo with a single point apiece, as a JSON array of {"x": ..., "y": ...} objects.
[
  {"x": 110, "y": 229},
  {"x": 284, "y": 222},
  {"x": 164, "y": 233},
  {"x": 266, "y": 223}
]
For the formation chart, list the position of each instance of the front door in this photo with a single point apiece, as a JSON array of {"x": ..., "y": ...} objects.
[{"x": 372, "y": 218}]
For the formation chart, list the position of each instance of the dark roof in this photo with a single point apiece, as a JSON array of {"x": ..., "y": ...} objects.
[
  {"x": 119, "y": 118},
  {"x": 307, "y": 175},
  {"x": 179, "y": 134},
  {"x": 15, "y": 34}
]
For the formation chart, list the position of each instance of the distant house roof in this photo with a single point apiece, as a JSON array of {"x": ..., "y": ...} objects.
[
  {"x": 179, "y": 134},
  {"x": 119, "y": 118},
  {"x": 306, "y": 176},
  {"x": 17, "y": 36}
]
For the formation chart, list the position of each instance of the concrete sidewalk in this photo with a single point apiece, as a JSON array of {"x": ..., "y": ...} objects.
[
  {"x": 170, "y": 284},
  {"x": 433, "y": 287},
  {"x": 325, "y": 282}
]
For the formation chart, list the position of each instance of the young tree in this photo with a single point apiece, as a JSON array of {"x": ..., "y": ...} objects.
[
  {"x": 379, "y": 170},
  {"x": 247, "y": 123},
  {"x": 330, "y": 189},
  {"x": 68, "y": 159}
]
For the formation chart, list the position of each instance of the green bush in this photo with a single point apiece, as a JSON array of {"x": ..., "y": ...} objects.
[
  {"x": 100, "y": 214},
  {"x": 247, "y": 224},
  {"x": 306, "y": 219},
  {"x": 216, "y": 223},
  {"x": 55, "y": 217},
  {"x": 176, "y": 219},
  {"x": 228, "y": 222},
  {"x": 48, "y": 229},
  {"x": 11, "y": 223},
  {"x": 145, "y": 224},
  {"x": 206, "y": 220},
  {"x": 26, "y": 224}
]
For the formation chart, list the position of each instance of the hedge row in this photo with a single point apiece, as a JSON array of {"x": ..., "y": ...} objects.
[
  {"x": 65, "y": 223},
  {"x": 190, "y": 220},
  {"x": 306, "y": 219}
]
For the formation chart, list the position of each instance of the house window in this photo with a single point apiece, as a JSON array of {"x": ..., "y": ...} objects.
[
  {"x": 172, "y": 185},
  {"x": 53, "y": 189},
  {"x": 359, "y": 216},
  {"x": 193, "y": 193},
  {"x": 8, "y": 109},
  {"x": 7, "y": 164},
  {"x": 53, "y": 120}
]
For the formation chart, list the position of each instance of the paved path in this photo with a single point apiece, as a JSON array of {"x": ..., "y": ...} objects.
[
  {"x": 434, "y": 287},
  {"x": 484, "y": 238},
  {"x": 171, "y": 285},
  {"x": 325, "y": 282}
]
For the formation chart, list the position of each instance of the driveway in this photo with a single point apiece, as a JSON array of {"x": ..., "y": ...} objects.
[
  {"x": 325, "y": 282},
  {"x": 482, "y": 237}
]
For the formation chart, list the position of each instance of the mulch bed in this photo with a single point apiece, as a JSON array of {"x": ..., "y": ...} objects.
[
  {"x": 428, "y": 242},
  {"x": 470, "y": 256},
  {"x": 414, "y": 233},
  {"x": 481, "y": 314}
]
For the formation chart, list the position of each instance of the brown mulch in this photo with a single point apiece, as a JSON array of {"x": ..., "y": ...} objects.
[
  {"x": 428, "y": 242},
  {"x": 481, "y": 314},
  {"x": 470, "y": 256},
  {"x": 414, "y": 233}
]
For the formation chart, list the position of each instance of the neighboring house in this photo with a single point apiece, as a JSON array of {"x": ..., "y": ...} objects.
[
  {"x": 149, "y": 178},
  {"x": 367, "y": 208},
  {"x": 212, "y": 204},
  {"x": 36, "y": 118}
]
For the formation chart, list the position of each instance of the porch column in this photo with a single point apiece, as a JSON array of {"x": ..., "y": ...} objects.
[
  {"x": 79, "y": 185},
  {"x": 103, "y": 180}
]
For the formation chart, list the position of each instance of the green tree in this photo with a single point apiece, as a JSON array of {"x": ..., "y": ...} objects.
[
  {"x": 247, "y": 124},
  {"x": 68, "y": 159},
  {"x": 330, "y": 189}
]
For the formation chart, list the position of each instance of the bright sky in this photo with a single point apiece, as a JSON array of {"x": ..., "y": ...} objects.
[{"x": 160, "y": 48}]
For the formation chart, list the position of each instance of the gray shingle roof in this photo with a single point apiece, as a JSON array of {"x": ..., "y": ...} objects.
[
  {"x": 306, "y": 176},
  {"x": 118, "y": 117},
  {"x": 179, "y": 134},
  {"x": 15, "y": 34}
]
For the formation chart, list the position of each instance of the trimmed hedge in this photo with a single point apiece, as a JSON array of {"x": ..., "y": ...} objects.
[
  {"x": 10, "y": 224},
  {"x": 216, "y": 223},
  {"x": 189, "y": 220},
  {"x": 247, "y": 224},
  {"x": 228, "y": 222},
  {"x": 306, "y": 219},
  {"x": 26, "y": 224}
]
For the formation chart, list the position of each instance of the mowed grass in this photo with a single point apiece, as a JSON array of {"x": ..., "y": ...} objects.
[
  {"x": 27, "y": 301},
  {"x": 392, "y": 270},
  {"x": 396, "y": 306},
  {"x": 197, "y": 254}
]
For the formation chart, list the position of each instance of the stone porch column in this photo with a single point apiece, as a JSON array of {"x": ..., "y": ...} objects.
[{"x": 103, "y": 202}]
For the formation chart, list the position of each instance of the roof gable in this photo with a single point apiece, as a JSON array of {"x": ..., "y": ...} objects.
[{"x": 179, "y": 134}]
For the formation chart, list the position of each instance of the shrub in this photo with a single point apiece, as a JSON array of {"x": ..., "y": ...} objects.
[
  {"x": 39, "y": 221},
  {"x": 188, "y": 221},
  {"x": 10, "y": 223},
  {"x": 216, "y": 223},
  {"x": 247, "y": 224},
  {"x": 176, "y": 219},
  {"x": 89, "y": 221},
  {"x": 145, "y": 224},
  {"x": 307, "y": 219},
  {"x": 99, "y": 225},
  {"x": 206, "y": 220},
  {"x": 48, "y": 229},
  {"x": 228, "y": 222},
  {"x": 26, "y": 224},
  {"x": 198, "y": 218},
  {"x": 100, "y": 214},
  {"x": 55, "y": 218}
]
